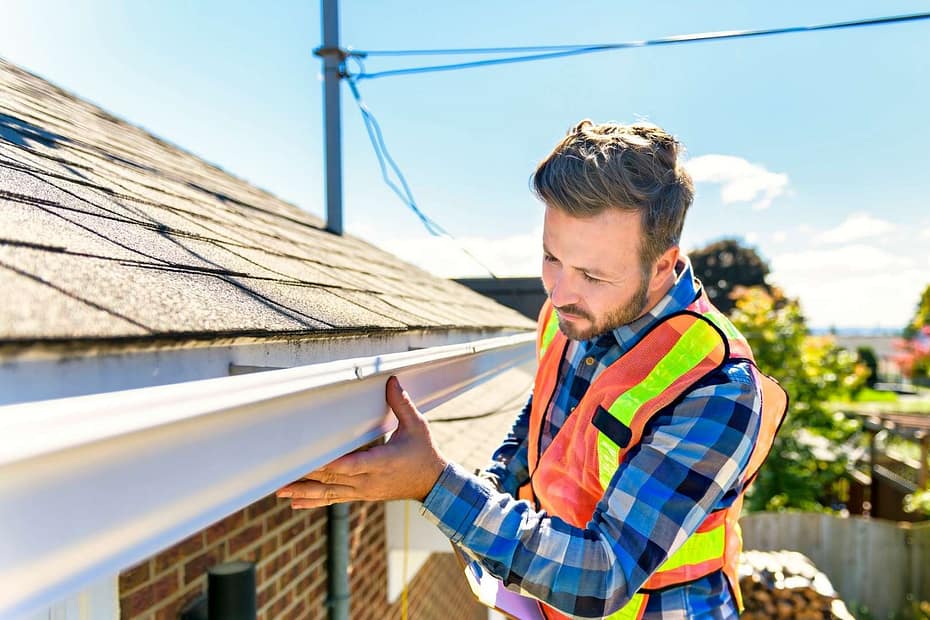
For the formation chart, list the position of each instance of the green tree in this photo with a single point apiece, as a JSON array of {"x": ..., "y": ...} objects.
[
  {"x": 918, "y": 501},
  {"x": 813, "y": 370},
  {"x": 725, "y": 266},
  {"x": 921, "y": 315},
  {"x": 914, "y": 355},
  {"x": 870, "y": 360}
]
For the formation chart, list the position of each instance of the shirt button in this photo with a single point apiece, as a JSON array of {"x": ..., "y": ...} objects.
[{"x": 588, "y": 361}]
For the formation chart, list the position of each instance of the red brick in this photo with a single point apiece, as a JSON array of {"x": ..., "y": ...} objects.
[
  {"x": 303, "y": 544},
  {"x": 292, "y": 573},
  {"x": 165, "y": 587},
  {"x": 174, "y": 555},
  {"x": 262, "y": 552},
  {"x": 296, "y": 589},
  {"x": 136, "y": 603},
  {"x": 279, "y": 517},
  {"x": 265, "y": 504},
  {"x": 243, "y": 539},
  {"x": 150, "y": 595},
  {"x": 276, "y": 564},
  {"x": 310, "y": 582},
  {"x": 172, "y": 609},
  {"x": 265, "y": 594},
  {"x": 280, "y": 604},
  {"x": 222, "y": 528},
  {"x": 291, "y": 532},
  {"x": 134, "y": 577},
  {"x": 198, "y": 566}
]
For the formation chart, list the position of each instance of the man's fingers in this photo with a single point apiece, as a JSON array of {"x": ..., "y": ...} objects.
[
  {"x": 353, "y": 464},
  {"x": 319, "y": 492},
  {"x": 399, "y": 402},
  {"x": 328, "y": 476}
]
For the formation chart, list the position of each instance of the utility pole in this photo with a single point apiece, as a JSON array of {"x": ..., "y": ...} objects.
[
  {"x": 333, "y": 57},
  {"x": 337, "y": 516}
]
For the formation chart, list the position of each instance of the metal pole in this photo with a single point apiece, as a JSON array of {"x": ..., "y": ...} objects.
[
  {"x": 333, "y": 57},
  {"x": 923, "y": 476},
  {"x": 337, "y": 536},
  {"x": 873, "y": 478},
  {"x": 337, "y": 516},
  {"x": 231, "y": 592}
]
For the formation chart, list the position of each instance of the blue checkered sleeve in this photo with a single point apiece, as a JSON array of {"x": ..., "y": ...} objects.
[
  {"x": 509, "y": 464},
  {"x": 688, "y": 464}
]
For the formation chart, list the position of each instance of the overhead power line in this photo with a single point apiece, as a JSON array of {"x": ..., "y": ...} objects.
[
  {"x": 463, "y": 51},
  {"x": 401, "y": 188},
  {"x": 528, "y": 54},
  {"x": 546, "y": 52}
]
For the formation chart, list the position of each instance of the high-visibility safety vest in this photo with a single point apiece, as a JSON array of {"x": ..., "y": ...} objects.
[{"x": 570, "y": 476}]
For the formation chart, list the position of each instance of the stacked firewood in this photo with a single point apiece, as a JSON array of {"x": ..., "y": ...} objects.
[{"x": 786, "y": 585}]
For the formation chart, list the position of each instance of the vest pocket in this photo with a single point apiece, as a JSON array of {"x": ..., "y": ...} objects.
[{"x": 614, "y": 429}]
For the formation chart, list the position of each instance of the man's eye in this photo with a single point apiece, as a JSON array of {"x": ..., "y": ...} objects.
[
  {"x": 589, "y": 278},
  {"x": 549, "y": 258}
]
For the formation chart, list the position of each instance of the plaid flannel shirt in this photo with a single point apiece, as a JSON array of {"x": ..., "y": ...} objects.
[{"x": 689, "y": 463}]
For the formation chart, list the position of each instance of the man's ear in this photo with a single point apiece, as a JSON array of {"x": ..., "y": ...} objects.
[{"x": 663, "y": 270}]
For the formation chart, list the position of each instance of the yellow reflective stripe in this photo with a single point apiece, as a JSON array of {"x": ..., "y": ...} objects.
[
  {"x": 608, "y": 458},
  {"x": 700, "y": 547},
  {"x": 690, "y": 349},
  {"x": 726, "y": 326},
  {"x": 552, "y": 326},
  {"x": 631, "y": 610}
]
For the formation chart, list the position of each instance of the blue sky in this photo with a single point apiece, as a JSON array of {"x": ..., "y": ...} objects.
[{"x": 811, "y": 147}]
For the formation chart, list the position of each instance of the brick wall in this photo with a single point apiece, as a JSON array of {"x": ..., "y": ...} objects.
[
  {"x": 367, "y": 562},
  {"x": 289, "y": 549}
]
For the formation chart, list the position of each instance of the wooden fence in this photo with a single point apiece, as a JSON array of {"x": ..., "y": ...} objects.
[{"x": 883, "y": 565}]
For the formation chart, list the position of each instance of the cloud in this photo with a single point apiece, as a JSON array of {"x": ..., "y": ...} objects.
[
  {"x": 857, "y": 226},
  {"x": 739, "y": 180},
  {"x": 925, "y": 233},
  {"x": 515, "y": 255},
  {"x": 855, "y": 285},
  {"x": 852, "y": 260}
]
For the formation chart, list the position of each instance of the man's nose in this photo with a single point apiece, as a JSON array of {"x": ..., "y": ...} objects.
[{"x": 563, "y": 292}]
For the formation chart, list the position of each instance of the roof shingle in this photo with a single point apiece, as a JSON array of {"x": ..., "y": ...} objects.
[{"x": 108, "y": 232}]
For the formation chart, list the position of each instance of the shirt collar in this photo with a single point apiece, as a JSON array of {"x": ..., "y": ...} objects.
[{"x": 684, "y": 291}]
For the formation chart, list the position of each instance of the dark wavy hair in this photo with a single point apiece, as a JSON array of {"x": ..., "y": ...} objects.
[{"x": 633, "y": 167}]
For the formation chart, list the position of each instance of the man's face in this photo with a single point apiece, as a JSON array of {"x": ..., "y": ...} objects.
[{"x": 592, "y": 272}]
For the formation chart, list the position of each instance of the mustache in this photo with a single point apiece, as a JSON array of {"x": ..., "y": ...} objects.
[{"x": 573, "y": 309}]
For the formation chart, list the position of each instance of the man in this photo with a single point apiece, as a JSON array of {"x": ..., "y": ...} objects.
[{"x": 647, "y": 420}]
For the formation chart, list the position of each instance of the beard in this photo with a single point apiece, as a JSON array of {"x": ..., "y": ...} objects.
[{"x": 613, "y": 319}]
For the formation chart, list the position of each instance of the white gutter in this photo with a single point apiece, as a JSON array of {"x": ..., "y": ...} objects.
[{"x": 93, "y": 484}]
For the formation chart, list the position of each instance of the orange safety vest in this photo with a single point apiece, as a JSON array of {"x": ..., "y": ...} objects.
[{"x": 570, "y": 476}]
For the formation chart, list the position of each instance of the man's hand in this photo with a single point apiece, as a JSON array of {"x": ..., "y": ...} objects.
[{"x": 406, "y": 467}]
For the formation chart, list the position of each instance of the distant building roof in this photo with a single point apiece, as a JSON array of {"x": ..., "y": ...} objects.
[
  {"x": 109, "y": 233},
  {"x": 883, "y": 346}
]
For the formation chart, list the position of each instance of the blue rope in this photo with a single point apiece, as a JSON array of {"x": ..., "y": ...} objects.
[
  {"x": 561, "y": 51},
  {"x": 388, "y": 165}
]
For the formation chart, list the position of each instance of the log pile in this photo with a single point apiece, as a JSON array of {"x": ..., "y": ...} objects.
[{"x": 786, "y": 585}]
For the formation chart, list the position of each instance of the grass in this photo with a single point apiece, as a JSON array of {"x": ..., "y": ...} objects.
[
  {"x": 868, "y": 395},
  {"x": 874, "y": 401}
]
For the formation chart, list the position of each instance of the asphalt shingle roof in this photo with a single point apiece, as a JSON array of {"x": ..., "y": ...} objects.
[
  {"x": 107, "y": 232},
  {"x": 468, "y": 428}
]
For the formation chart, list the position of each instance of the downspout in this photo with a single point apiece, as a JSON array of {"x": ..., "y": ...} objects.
[{"x": 337, "y": 537}]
